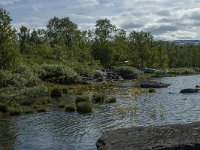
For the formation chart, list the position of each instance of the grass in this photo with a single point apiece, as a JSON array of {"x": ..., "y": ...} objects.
[
  {"x": 70, "y": 108},
  {"x": 82, "y": 98},
  {"x": 152, "y": 90},
  {"x": 98, "y": 98},
  {"x": 84, "y": 107}
]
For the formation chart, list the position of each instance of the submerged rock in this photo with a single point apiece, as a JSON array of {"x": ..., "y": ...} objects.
[
  {"x": 153, "y": 84},
  {"x": 169, "y": 137},
  {"x": 190, "y": 91}
]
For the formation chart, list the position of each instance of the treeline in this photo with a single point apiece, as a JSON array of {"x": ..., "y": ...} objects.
[{"x": 106, "y": 45}]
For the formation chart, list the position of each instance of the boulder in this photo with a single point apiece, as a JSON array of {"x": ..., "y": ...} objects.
[
  {"x": 168, "y": 137},
  {"x": 153, "y": 84},
  {"x": 190, "y": 91}
]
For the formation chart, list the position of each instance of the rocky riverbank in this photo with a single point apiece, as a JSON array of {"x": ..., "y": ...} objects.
[{"x": 169, "y": 137}]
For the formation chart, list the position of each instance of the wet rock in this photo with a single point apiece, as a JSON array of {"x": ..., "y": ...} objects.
[
  {"x": 197, "y": 86},
  {"x": 153, "y": 84},
  {"x": 169, "y": 137},
  {"x": 190, "y": 91}
]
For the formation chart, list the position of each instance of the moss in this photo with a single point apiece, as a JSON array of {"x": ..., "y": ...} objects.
[
  {"x": 56, "y": 93},
  {"x": 70, "y": 108},
  {"x": 82, "y": 98},
  {"x": 98, "y": 98},
  {"x": 152, "y": 90},
  {"x": 84, "y": 107},
  {"x": 3, "y": 108},
  {"x": 111, "y": 100}
]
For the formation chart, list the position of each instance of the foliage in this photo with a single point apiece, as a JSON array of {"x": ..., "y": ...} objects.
[
  {"x": 58, "y": 74},
  {"x": 18, "y": 78},
  {"x": 9, "y": 55},
  {"x": 98, "y": 98},
  {"x": 128, "y": 72},
  {"x": 82, "y": 98},
  {"x": 84, "y": 107},
  {"x": 56, "y": 93}
]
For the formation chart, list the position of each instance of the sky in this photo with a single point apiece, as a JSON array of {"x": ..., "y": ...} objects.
[{"x": 165, "y": 19}]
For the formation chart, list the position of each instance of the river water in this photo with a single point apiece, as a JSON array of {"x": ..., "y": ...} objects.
[{"x": 72, "y": 131}]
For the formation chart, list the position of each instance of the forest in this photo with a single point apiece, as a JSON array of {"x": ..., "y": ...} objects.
[{"x": 62, "y": 42}]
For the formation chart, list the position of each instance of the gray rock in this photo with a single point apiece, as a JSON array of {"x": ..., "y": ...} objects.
[
  {"x": 153, "y": 84},
  {"x": 169, "y": 137},
  {"x": 190, "y": 91}
]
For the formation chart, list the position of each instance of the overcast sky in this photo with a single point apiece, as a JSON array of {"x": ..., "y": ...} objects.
[{"x": 166, "y": 19}]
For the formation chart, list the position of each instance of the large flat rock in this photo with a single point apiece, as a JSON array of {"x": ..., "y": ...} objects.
[{"x": 169, "y": 137}]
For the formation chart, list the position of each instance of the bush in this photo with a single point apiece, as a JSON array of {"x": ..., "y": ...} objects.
[
  {"x": 98, "y": 98},
  {"x": 12, "y": 79},
  {"x": 56, "y": 93},
  {"x": 3, "y": 108},
  {"x": 128, "y": 72},
  {"x": 58, "y": 74},
  {"x": 111, "y": 100},
  {"x": 84, "y": 107},
  {"x": 82, "y": 98},
  {"x": 152, "y": 90},
  {"x": 70, "y": 108}
]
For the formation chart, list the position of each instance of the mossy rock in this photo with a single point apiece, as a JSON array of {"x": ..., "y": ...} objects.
[
  {"x": 98, "y": 98},
  {"x": 56, "y": 93},
  {"x": 82, "y": 98},
  {"x": 152, "y": 90},
  {"x": 84, "y": 107},
  {"x": 111, "y": 100},
  {"x": 70, "y": 108},
  {"x": 3, "y": 108}
]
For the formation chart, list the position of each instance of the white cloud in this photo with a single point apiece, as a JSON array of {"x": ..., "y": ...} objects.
[{"x": 7, "y": 2}]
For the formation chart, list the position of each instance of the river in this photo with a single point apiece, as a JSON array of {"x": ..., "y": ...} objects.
[{"x": 57, "y": 129}]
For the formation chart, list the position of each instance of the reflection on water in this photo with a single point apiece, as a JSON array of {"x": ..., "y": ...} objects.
[{"x": 61, "y": 130}]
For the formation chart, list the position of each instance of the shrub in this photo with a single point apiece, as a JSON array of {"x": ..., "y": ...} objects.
[
  {"x": 12, "y": 79},
  {"x": 70, "y": 108},
  {"x": 3, "y": 108},
  {"x": 128, "y": 72},
  {"x": 82, "y": 98},
  {"x": 98, "y": 98},
  {"x": 56, "y": 93},
  {"x": 58, "y": 74},
  {"x": 152, "y": 90},
  {"x": 84, "y": 107},
  {"x": 111, "y": 100}
]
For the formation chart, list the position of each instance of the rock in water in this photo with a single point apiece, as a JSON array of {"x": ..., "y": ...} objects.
[
  {"x": 169, "y": 137},
  {"x": 153, "y": 84},
  {"x": 190, "y": 91}
]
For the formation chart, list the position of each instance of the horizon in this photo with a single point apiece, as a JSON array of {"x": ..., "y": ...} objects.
[{"x": 166, "y": 20}]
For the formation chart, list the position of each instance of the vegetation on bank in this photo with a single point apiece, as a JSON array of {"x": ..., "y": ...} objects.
[{"x": 36, "y": 63}]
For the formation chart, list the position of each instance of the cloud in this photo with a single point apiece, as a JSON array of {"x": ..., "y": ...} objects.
[
  {"x": 7, "y": 2},
  {"x": 166, "y": 19}
]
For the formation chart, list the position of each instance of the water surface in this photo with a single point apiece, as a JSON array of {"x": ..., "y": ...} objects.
[{"x": 72, "y": 131}]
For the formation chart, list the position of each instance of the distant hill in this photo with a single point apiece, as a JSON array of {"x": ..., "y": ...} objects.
[{"x": 187, "y": 42}]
